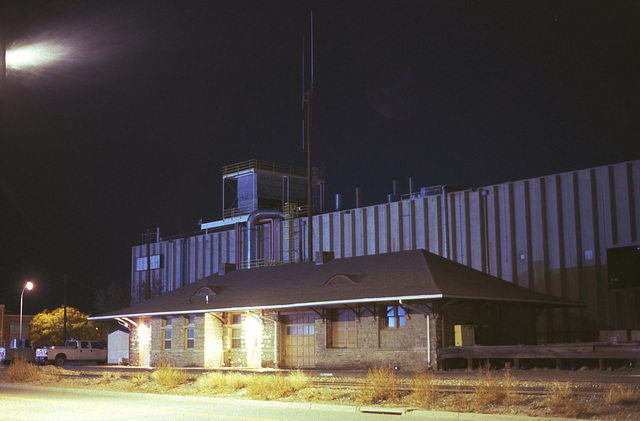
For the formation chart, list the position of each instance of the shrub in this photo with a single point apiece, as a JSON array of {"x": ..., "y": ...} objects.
[
  {"x": 22, "y": 371},
  {"x": 167, "y": 376},
  {"x": 425, "y": 393},
  {"x": 381, "y": 386},
  {"x": 277, "y": 386},
  {"x": 564, "y": 401},
  {"x": 618, "y": 395}
]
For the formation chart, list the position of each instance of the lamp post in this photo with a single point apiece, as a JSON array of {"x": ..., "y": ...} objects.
[{"x": 28, "y": 286}]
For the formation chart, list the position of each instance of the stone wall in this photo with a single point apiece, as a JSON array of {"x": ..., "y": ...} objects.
[
  {"x": 178, "y": 354},
  {"x": 405, "y": 347}
]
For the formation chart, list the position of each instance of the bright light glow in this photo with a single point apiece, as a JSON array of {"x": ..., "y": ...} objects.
[
  {"x": 252, "y": 328},
  {"x": 29, "y": 285},
  {"x": 36, "y": 55}
]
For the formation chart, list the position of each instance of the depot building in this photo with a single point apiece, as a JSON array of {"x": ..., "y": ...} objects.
[{"x": 386, "y": 309}]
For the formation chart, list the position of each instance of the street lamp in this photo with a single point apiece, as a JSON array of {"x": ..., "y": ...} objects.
[{"x": 28, "y": 286}]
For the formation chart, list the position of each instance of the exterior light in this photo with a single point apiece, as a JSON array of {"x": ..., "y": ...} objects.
[{"x": 28, "y": 286}]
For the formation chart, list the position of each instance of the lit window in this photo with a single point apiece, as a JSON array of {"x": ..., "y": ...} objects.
[{"x": 395, "y": 316}]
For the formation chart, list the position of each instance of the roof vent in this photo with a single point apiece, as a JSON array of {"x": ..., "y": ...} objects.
[{"x": 323, "y": 257}]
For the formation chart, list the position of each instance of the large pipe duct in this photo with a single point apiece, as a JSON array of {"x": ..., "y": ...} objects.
[{"x": 252, "y": 221}]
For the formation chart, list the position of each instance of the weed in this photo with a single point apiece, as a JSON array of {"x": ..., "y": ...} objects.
[
  {"x": 167, "y": 376},
  {"x": 109, "y": 376},
  {"x": 222, "y": 382},
  {"x": 510, "y": 390},
  {"x": 138, "y": 379},
  {"x": 488, "y": 391},
  {"x": 618, "y": 395},
  {"x": 425, "y": 393},
  {"x": 564, "y": 401},
  {"x": 381, "y": 386},
  {"x": 277, "y": 386},
  {"x": 22, "y": 371},
  {"x": 298, "y": 380}
]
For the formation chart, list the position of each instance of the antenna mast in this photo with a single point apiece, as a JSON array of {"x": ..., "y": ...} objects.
[{"x": 309, "y": 96}]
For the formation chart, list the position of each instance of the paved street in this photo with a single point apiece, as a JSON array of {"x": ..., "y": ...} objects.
[{"x": 23, "y": 402}]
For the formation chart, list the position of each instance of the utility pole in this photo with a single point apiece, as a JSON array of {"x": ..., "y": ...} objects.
[
  {"x": 64, "y": 281},
  {"x": 148, "y": 291},
  {"x": 309, "y": 160}
]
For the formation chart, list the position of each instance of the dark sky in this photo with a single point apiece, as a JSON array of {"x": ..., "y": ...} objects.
[{"x": 131, "y": 129}]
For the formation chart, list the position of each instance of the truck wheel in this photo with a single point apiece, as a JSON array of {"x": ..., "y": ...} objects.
[
  {"x": 60, "y": 359},
  {"x": 101, "y": 362}
]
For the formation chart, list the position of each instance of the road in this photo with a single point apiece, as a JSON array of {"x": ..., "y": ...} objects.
[{"x": 24, "y": 402}]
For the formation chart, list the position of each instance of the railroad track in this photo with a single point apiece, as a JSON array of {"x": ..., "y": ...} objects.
[
  {"x": 406, "y": 389},
  {"x": 463, "y": 389}
]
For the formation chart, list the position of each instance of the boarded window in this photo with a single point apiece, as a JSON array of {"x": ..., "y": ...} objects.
[{"x": 343, "y": 329}]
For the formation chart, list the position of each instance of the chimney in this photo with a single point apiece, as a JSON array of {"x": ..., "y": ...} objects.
[{"x": 323, "y": 257}]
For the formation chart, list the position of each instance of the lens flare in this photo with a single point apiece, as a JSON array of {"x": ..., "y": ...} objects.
[
  {"x": 84, "y": 47},
  {"x": 36, "y": 55}
]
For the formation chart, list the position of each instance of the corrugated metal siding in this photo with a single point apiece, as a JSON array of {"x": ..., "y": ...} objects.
[{"x": 549, "y": 234}]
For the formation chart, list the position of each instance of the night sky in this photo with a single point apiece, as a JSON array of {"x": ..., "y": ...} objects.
[{"x": 130, "y": 129}]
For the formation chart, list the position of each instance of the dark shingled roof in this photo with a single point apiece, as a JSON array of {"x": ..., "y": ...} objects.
[{"x": 407, "y": 275}]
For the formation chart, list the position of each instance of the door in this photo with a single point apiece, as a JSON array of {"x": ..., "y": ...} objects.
[{"x": 299, "y": 340}]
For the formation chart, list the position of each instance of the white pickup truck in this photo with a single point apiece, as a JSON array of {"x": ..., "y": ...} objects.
[{"x": 73, "y": 350}]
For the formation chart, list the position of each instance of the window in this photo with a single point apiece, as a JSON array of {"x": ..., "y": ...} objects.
[
  {"x": 189, "y": 332},
  {"x": 166, "y": 339},
  {"x": 343, "y": 329},
  {"x": 166, "y": 332},
  {"x": 395, "y": 316},
  {"x": 623, "y": 267},
  {"x": 236, "y": 338},
  {"x": 236, "y": 331}
]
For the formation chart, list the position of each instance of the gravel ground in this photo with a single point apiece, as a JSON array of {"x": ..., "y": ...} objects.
[{"x": 575, "y": 405}]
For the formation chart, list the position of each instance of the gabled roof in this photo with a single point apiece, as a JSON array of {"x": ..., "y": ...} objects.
[{"x": 407, "y": 275}]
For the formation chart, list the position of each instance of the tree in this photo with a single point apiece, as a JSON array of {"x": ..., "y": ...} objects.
[
  {"x": 47, "y": 327},
  {"x": 115, "y": 296}
]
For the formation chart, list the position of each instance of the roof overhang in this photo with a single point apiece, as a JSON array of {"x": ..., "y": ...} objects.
[{"x": 269, "y": 307}]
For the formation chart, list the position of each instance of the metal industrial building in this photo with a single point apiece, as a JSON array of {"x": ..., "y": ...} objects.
[{"x": 572, "y": 235}]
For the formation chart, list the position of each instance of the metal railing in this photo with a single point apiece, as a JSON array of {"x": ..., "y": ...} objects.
[{"x": 254, "y": 164}]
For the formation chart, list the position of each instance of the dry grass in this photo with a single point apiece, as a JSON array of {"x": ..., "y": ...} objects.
[
  {"x": 277, "y": 386},
  {"x": 619, "y": 395},
  {"x": 138, "y": 379},
  {"x": 381, "y": 386},
  {"x": 167, "y": 376},
  {"x": 488, "y": 391},
  {"x": 110, "y": 376},
  {"x": 564, "y": 401},
  {"x": 425, "y": 393},
  {"x": 22, "y": 371},
  {"x": 218, "y": 382}
]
